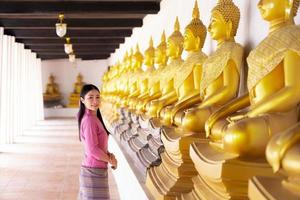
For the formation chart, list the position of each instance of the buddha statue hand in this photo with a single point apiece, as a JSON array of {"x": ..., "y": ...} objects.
[
  {"x": 226, "y": 110},
  {"x": 236, "y": 118},
  {"x": 277, "y": 151}
]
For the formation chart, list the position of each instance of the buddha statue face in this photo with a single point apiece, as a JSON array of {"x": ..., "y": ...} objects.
[
  {"x": 191, "y": 43},
  {"x": 51, "y": 79},
  {"x": 172, "y": 49},
  {"x": 149, "y": 59},
  {"x": 272, "y": 9},
  {"x": 137, "y": 62},
  {"x": 224, "y": 20},
  {"x": 149, "y": 54},
  {"x": 218, "y": 27},
  {"x": 158, "y": 56},
  {"x": 79, "y": 78},
  {"x": 278, "y": 9}
]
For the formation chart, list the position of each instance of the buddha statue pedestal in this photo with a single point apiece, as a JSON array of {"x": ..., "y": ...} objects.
[
  {"x": 224, "y": 175},
  {"x": 176, "y": 170},
  {"x": 123, "y": 123},
  {"x": 267, "y": 188},
  {"x": 52, "y": 101}
]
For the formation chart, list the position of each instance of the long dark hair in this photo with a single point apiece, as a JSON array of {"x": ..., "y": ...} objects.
[{"x": 85, "y": 89}]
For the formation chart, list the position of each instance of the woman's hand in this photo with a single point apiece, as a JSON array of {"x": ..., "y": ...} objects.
[{"x": 113, "y": 161}]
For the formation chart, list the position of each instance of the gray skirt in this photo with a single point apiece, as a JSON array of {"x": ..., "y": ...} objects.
[{"x": 93, "y": 184}]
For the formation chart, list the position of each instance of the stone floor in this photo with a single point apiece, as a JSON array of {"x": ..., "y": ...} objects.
[{"x": 44, "y": 163}]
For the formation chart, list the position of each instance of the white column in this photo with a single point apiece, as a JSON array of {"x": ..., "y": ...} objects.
[
  {"x": 5, "y": 88},
  {"x": 1, "y": 61},
  {"x": 21, "y": 99},
  {"x": 40, "y": 90}
]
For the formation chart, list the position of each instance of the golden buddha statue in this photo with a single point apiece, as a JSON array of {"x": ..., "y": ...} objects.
[
  {"x": 174, "y": 51},
  {"x": 240, "y": 130},
  {"x": 134, "y": 82},
  {"x": 52, "y": 91},
  {"x": 75, "y": 95},
  {"x": 187, "y": 81},
  {"x": 160, "y": 60},
  {"x": 146, "y": 77},
  {"x": 123, "y": 85},
  {"x": 272, "y": 85},
  {"x": 220, "y": 76}
]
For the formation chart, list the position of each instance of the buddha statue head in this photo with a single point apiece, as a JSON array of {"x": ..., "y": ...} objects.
[
  {"x": 137, "y": 59},
  {"x": 273, "y": 9},
  {"x": 130, "y": 60},
  {"x": 79, "y": 78},
  {"x": 224, "y": 21},
  {"x": 195, "y": 32},
  {"x": 161, "y": 51},
  {"x": 149, "y": 54},
  {"x": 125, "y": 62},
  {"x": 51, "y": 79},
  {"x": 175, "y": 42}
]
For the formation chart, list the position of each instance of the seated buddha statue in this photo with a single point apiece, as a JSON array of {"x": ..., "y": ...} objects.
[
  {"x": 160, "y": 59},
  {"x": 220, "y": 75},
  {"x": 273, "y": 87},
  {"x": 133, "y": 83},
  {"x": 145, "y": 80},
  {"x": 75, "y": 95},
  {"x": 52, "y": 91},
  {"x": 123, "y": 87},
  {"x": 174, "y": 51},
  {"x": 187, "y": 80}
]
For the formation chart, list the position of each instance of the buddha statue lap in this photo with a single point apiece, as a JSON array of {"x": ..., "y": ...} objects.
[
  {"x": 169, "y": 96},
  {"x": 187, "y": 80},
  {"x": 282, "y": 153}
]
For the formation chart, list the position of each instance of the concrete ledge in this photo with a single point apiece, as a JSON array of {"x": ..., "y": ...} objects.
[{"x": 60, "y": 112}]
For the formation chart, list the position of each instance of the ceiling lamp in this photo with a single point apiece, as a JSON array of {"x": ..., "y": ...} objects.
[
  {"x": 61, "y": 28},
  {"x": 72, "y": 57},
  {"x": 68, "y": 46}
]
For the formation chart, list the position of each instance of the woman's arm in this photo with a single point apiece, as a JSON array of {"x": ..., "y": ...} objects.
[{"x": 92, "y": 142}]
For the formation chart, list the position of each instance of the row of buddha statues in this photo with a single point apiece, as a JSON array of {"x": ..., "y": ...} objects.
[
  {"x": 216, "y": 143},
  {"x": 52, "y": 93}
]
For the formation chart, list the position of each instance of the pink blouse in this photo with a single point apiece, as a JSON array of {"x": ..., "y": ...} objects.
[{"x": 95, "y": 140}]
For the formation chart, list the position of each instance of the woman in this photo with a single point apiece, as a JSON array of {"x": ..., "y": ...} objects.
[{"x": 93, "y": 178}]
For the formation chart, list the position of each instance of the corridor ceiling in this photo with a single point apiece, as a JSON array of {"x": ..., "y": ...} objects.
[{"x": 96, "y": 27}]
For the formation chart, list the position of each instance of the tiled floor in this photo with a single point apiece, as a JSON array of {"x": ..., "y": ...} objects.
[{"x": 44, "y": 164}]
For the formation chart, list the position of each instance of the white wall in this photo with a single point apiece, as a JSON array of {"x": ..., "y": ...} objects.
[
  {"x": 252, "y": 28},
  {"x": 65, "y": 73}
]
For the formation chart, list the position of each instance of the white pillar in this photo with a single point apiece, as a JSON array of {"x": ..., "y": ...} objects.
[{"x": 1, "y": 61}]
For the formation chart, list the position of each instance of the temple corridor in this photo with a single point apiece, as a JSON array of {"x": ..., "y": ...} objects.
[{"x": 44, "y": 163}]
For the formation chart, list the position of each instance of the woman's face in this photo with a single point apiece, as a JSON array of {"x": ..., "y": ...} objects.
[{"x": 91, "y": 100}]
